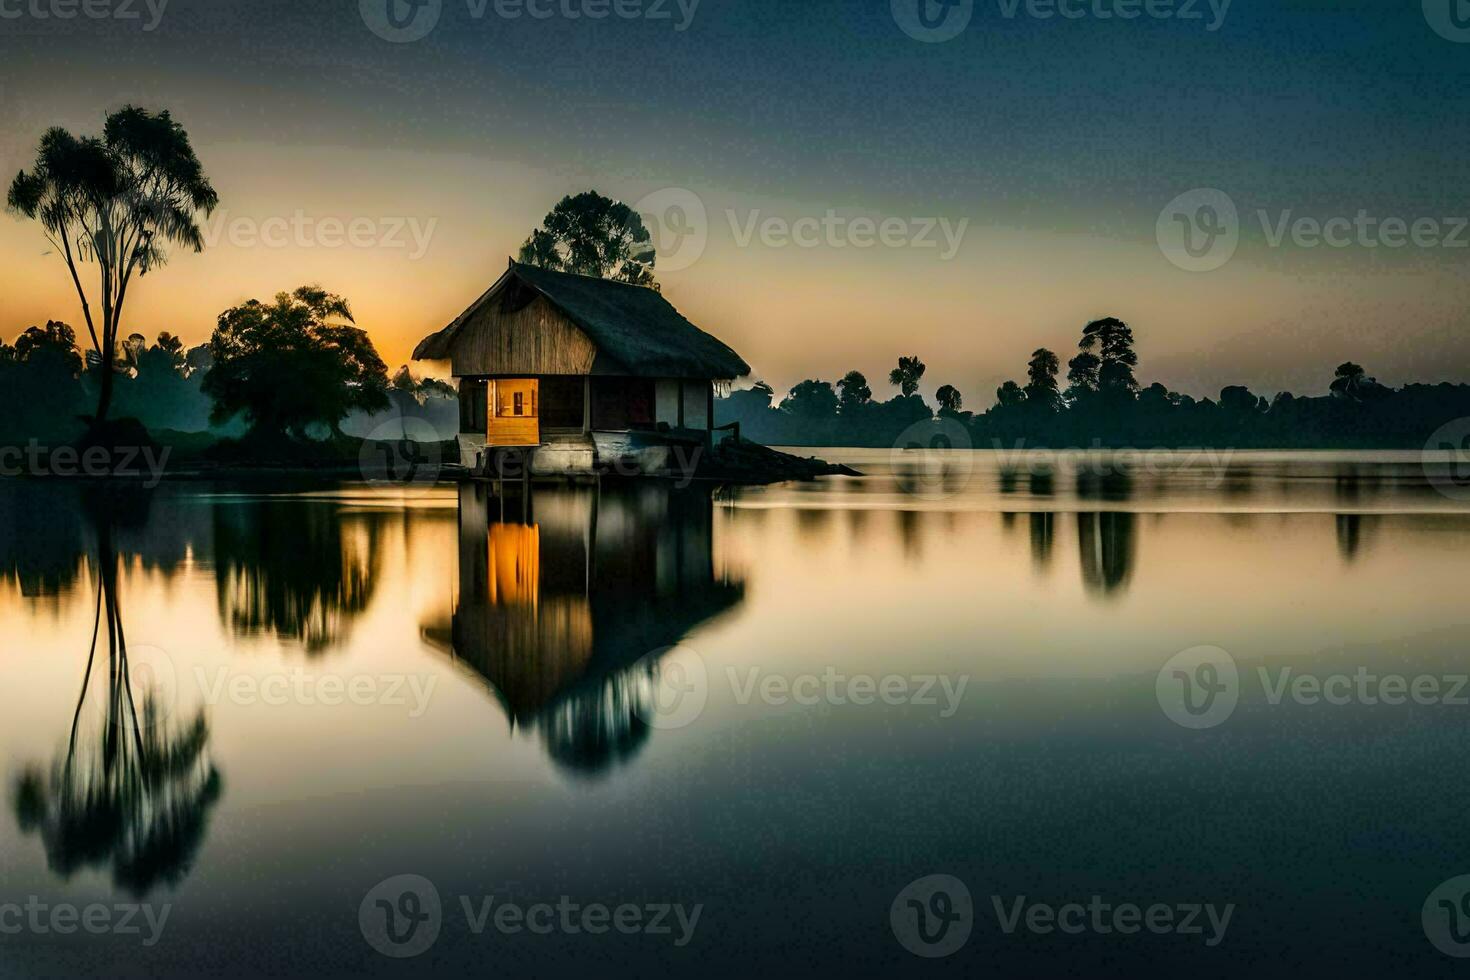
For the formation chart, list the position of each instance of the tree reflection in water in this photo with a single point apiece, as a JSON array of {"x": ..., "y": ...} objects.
[
  {"x": 298, "y": 570},
  {"x": 132, "y": 791}
]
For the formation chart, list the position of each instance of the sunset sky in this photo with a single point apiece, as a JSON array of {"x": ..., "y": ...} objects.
[{"x": 1055, "y": 143}]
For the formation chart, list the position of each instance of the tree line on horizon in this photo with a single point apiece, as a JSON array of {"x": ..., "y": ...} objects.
[
  {"x": 288, "y": 372},
  {"x": 1099, "y": 401},
  {"x": 267, "y": 384},
  {"x": 292, "y": 371}
]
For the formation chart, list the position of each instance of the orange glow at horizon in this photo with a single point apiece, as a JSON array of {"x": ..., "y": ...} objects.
[{"x": 411, "y": 254}]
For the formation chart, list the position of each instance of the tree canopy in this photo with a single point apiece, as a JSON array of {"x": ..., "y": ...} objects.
[
  {"x": 298, "y": 361},
  {"x": 592, "y": 235},
  {"x": 906, "y": 376}
]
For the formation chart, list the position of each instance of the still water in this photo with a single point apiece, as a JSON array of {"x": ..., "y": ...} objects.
[{"x": 629, "y": 730}]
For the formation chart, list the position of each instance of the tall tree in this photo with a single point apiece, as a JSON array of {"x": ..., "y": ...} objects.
[
  {"x": 906, "y": 376},
  {"x": 853, "y": 391},
  {"x": 117, "y": 202},
  {"x": 1082, "y": 377},
  {"x": 592, "y": 235},
  {"x": 949, "y": 398},
  {"x": 1041, "y": 381},
  {"x": 1112, "y": 340},
  {"x": 289, "y": 364}
]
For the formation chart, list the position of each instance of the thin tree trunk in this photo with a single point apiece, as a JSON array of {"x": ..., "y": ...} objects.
[{"x": 104, "y": 394}]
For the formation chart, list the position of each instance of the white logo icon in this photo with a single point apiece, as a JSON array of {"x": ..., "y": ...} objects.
[
  {"x": 933, "y": 21},
  {"x": 677, "y": 687},
  {"x": 1199, "y": 230},
  {"x": 679, "y": 225},
  {"x": 933, "y": 916},
  {"x": 401, "y": 917},
  {"x": 401, "y": 21},
  {"x": 1198, "y": 687}
]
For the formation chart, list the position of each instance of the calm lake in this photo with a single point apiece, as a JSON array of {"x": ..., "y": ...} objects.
[{"x": 638, "y": 730}]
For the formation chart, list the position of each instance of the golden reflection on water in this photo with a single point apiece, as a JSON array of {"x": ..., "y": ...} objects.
[{"x": 539, "y": 620}]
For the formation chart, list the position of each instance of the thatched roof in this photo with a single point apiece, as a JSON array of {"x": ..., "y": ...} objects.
[{"x": 635, "y": 329}]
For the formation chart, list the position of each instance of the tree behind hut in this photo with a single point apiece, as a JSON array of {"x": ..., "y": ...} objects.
[
  {"x": 116, "y": 202},
  {"x": 592, "y": 235}
]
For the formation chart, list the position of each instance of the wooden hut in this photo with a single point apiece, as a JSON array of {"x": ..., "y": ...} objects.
[{"x": 579, "y": 373}]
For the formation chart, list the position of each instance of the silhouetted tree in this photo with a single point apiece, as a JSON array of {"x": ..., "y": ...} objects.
[
  {"x": 199, "y": 359},
  {"x": 1010, "y": 395},
  {"x": 53, "y": 345},
  {"x": 853, "y": 392},
  {"x": 40, "y": 394},
  {"x": 949, "y": 398},
  {"x": 1350, "y": 381},
  {"x": 298, "y": 361},
  {"x": 1238, "y": 400},
  {"x": 166, "y": 356},
  {"x": 1082, "y": 377},
  {"x": 157, "y": 387},
  {"x": 116, "y": 202},
  {"x": 812, "y": 400},
  {"x": 1156, "y": 398},
  {"x": 906, "y": 376},
  {"x": 1041, "y": 381},
  {"x": 1113, "y": 341},
  {"x": 592, "y": 235}
]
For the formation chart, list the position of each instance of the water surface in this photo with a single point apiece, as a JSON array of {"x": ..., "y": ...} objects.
[{"x": 312, "y": 689}]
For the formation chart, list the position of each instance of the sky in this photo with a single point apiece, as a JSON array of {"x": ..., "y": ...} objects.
[{"x": 832, "y": 183}]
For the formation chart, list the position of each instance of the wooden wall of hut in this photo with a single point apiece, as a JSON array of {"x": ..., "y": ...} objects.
[{"x": 534, "y": 339}]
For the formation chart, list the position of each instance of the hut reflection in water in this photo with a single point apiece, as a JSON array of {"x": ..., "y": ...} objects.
[{"x": 567, "y": 598}]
